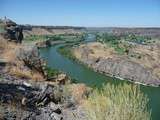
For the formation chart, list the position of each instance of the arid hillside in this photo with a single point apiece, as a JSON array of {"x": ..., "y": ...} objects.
[
  {"x": 50, "y": 30},
  {"x": 151, "y": 32},
  {"x": 141, "y": 64}
]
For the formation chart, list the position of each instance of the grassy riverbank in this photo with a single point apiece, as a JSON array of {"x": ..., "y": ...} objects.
[
  {"x": 123, "y": 102},
  {"x": 67, "y": 52}
]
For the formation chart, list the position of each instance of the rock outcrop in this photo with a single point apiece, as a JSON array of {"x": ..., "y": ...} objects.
[
  {"x": 27, "y": 99},
  {"x": 12, "y": 31},
  {"x": 120, "y": 67},
  {"x": 30, "y": 100},
  {"x": 127, "y": 70}
]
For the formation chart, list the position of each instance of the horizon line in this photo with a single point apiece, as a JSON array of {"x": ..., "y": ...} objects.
[{"x": 91, "y": 26}]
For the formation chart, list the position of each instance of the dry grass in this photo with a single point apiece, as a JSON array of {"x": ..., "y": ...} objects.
[
  {"x": 19, "y": 70},
  {"x": 42, "y": 31},
  {"x": 100, "y": 50},
  {"x": 95, "y": 50},
  {"x": 124, "y": 102},
  {"x": 75, "y": 93},
  {"x": 3, "y": 43},
  {"x": 16, "y": 67},
  {"x": 8, "y": 49},
  {"x": 151, "y": 56},
  {"x": 24, "y": 73},
  {"x": 78, "y": 92}
]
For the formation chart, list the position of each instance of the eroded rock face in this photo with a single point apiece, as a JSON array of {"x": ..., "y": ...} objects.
[
  {"x": 120, "y": 67},
  {"x": 127, "y": 70}
]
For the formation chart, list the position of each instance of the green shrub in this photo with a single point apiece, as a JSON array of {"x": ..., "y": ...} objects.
[
  {"x": 51, "y": 72},
  {"x": 54, "y": 37},
  {"x": 122, "y": 102},
  {"x": 137, "y": 38},
  {"x": 63, "y": 37},
  {"x": 67, "y": 52},
  {"x": 112, "y": 41},
  {"x": 35, "y": 38},
  {"x": 115, "y": 41}
]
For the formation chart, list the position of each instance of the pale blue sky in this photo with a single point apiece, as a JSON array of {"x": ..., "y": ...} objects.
[{"x": 97, "y": 13}]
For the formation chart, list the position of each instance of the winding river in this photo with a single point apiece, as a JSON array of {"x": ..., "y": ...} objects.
[{"x": 85, "y": 75}]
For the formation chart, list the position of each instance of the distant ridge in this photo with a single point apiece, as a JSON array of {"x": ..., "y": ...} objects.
[{"x": 146, "y": 31}]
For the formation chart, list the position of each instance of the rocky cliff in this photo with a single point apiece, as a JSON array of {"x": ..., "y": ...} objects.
[{"x": 117, "y": 66}]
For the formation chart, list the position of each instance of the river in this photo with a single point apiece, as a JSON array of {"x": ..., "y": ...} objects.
[{"x": 91, "y": 78}]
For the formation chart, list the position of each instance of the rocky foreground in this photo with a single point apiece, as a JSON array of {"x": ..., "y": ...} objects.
[
  {"x": 24, "y": 99},
  {"x": 27, "y": 92}
]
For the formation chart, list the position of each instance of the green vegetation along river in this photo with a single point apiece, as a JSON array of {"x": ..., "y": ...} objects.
[{"x": 85, "y": 75}]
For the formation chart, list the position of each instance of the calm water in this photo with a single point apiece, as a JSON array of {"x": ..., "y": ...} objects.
[{"x": 85, "y": 75}]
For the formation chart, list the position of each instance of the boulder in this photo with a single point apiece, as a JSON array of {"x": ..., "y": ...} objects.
[
  {"x": 3, "y": 62},
  {"x": 12, "y": 31},
  {"x": 62, "y": 79}
]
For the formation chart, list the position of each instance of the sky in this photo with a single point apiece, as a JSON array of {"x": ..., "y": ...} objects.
[{"x": 89, "y": 13}]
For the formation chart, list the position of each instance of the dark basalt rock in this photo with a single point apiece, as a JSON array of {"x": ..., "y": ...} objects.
[
  {"x": 12, "y": 31},
  {"x": 34, "y": 100},
  {"x": 29, "y": 100}
]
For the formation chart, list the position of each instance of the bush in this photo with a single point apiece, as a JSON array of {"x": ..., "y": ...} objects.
[
  {"x": 137, "y": 38},
  {"x": 123, "y": 102},
  {"x": 51, "y": 72},
  {"x": 67, "y": 52},
  {"x": 32, "y": 59},
  {"x": 35, "y": 38}
]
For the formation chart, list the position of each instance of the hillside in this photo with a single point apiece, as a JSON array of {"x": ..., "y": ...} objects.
[
  {"x": 48, "y": 30},
  {"x": 151, "y": 32}
]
